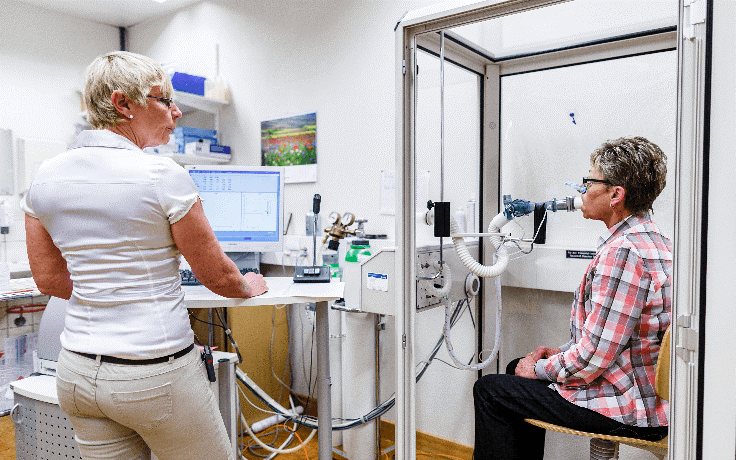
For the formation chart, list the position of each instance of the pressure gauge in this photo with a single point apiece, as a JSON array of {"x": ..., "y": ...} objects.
[
  {"x": 347, "y": 219},
  {"x": 333, "y": 218}
]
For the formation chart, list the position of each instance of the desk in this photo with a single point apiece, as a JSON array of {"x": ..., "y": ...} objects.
[{"x": 285, "y": 291}]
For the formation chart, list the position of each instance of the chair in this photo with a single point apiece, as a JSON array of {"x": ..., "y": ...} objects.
[{"x": 604, "y": 447}]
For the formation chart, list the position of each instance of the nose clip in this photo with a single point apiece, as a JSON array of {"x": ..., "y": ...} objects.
[{"x": 578, "y": 187}]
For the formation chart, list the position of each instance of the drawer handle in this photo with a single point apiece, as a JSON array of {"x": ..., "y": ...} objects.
[{"x": 16, "y": 416}]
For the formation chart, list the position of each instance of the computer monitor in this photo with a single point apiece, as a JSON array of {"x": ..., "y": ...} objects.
[{"x": 244, "y": 205}]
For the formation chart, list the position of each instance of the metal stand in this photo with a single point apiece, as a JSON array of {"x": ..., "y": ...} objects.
[{"x": 324, "y": 384}]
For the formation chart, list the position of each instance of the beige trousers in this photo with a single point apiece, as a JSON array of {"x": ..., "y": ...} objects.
[{"x": 122, "y": 411}]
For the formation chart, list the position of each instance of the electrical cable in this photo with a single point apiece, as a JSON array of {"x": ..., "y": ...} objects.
[
  {"x": 448, "y": 326},
  {"x": 204, "y": 322},
  {"x": 531, "y": 247},
  {"x": 286, "y": 366},
  {"x": 310, "y": 388},
  {"x": 344, "y": 424},
  {"x": 229, "y": 334},
  {"x": 309, "y": 421},
  {"x": 251, "y": 447},
  {"x": 269, "y": 448},
  {"x": 455, "y": 317}
]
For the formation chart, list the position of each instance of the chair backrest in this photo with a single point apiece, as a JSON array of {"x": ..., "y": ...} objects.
[{"x": 662, "y": 378}]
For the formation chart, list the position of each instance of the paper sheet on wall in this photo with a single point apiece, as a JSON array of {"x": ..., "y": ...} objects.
[
  {"x": 388, "y": 191},
  {"x": 300, "y": 174}
]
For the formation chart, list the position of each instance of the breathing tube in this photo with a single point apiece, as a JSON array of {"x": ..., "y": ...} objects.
[{"x": 515, "y": 208}]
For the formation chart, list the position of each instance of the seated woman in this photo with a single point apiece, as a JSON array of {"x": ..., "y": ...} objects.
[{"x": 602, "y": 380}]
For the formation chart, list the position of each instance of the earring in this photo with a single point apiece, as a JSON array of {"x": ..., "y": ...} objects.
[
  {"x": 130, "y": 116},
  {"x": 610, "y": 203}
]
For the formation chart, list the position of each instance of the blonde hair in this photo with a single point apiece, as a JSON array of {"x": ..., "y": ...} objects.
[
  {"x": 637, "y": 165},
  {"x": 132, "y": 74}
]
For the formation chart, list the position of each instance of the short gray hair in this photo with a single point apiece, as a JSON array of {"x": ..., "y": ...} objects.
[
  {"x": 132, "y": 74},
  {"x": 637, "y": 165}
]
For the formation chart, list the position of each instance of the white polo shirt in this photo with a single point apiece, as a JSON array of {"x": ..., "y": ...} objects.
[{"x": 108, "y": 207}]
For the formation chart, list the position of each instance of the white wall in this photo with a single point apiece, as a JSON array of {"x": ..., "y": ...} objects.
[
  {"x": 283, "y": 58},
  {"x": 43, "y": 56}
]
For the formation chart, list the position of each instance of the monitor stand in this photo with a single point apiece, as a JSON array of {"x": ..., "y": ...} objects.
[{"x": 246, "y": 261}]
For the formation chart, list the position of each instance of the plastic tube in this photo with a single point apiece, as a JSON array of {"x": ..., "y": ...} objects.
[
  {"x": 502, "y": 255},
  {"x": 268, "y": 422},
  {"x": 445, "y": 289},
  {"x": 271, "y": 449},
  {"x": 306, "y": 420},
  {"x": 448, "y": 326}
]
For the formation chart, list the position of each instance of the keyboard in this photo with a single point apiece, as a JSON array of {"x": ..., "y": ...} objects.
[{"x": 188, "y": 278}]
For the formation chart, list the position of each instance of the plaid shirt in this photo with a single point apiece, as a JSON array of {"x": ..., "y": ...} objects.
[{"x": 620, "y": 313}]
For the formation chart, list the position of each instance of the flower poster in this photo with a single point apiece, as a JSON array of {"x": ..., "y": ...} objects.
[{"x": 290, "y": 142}]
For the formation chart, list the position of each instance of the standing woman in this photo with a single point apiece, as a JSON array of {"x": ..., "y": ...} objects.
[
  {"x": 105, "y": 227},
  {"x": 602, "y": 380}
]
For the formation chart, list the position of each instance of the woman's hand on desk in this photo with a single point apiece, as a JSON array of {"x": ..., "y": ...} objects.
[{"x": 256, "y": 284}]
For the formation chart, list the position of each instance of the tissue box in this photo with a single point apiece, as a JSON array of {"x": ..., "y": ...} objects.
[{"x": 188, "y": 83}]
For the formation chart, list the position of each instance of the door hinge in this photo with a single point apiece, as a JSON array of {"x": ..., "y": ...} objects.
[
  {"x": 403, "y": 67},
  {"x": 689, "y": 338},
  {"x": 696, "y": 13},
  {"x": 403, "y": 341}
]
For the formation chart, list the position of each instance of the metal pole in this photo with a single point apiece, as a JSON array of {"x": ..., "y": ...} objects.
[
  {"x": 442, "y": 116},
  {"x": 442, "y": 131},
  {"x": 377, "y": 345},
  {"x": 314, "y": 242},
  {"x": 324, "y": 395}
]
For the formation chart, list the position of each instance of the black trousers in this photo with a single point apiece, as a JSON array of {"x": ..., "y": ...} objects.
[{"x": 503, "y": 401}]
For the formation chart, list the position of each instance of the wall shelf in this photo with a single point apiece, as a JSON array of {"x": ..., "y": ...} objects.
[
  {"x": 188, "y": 102},
  {"x": 183, "y": 159}
]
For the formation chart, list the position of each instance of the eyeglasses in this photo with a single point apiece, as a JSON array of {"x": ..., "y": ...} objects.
[
  {"x": 589, "y": 181},
  {"x": 166, "y": 100}
]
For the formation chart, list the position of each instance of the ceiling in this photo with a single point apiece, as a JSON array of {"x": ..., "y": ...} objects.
[{"x": 118, "y": 13}]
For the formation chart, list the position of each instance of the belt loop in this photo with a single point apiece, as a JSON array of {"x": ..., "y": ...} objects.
[
  {"x": 98, "y": 361},
  {"x": 171, "y": 359}
]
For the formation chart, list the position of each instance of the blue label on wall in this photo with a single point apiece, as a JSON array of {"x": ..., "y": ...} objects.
[{"x": 576, "y": 254}]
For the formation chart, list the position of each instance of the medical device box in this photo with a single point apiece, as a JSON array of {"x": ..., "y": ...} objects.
[
  {"x": 220, "y": 149},
  {"x": 188, "y": 83},
  {"x": 187, "y": 131}
]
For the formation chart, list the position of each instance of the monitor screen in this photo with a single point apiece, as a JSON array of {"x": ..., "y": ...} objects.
[{"x": 244, "y": 205}]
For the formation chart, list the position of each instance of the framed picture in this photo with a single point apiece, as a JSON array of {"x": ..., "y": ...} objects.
[{"x": 291, "y": 142}]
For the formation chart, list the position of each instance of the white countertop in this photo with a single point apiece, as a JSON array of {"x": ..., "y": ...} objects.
[{"x": 281, "y": 290}]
